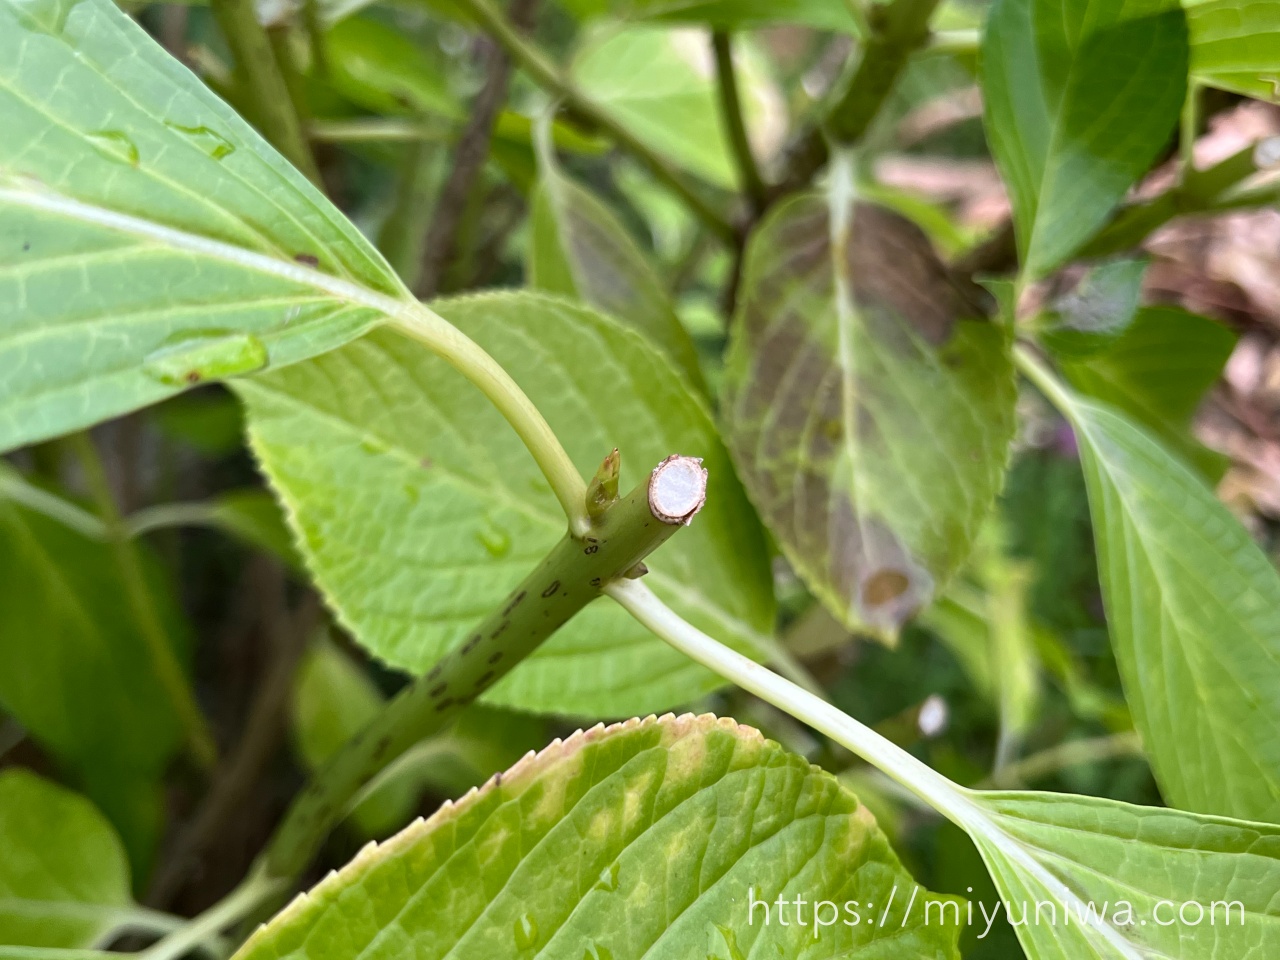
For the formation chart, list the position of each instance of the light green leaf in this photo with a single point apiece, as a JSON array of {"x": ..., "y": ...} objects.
[
  {"x": 73, "y": 670},
  {"x": 1102, "y": 880},
  {"x": 64, "y": 879},
  {"x": 870, "y": 419},
  {"x": 660, "y": 84},
  {"x": 579, "y": 249},
  {"x": 1194, "y": 611},
  {"x": 1081, "y": 96},
  {"x": 644, "y": 840},
  {"x": 417, "y": 508},
  {"x": 375, "y": 65},
  {"x": 1235, "y": 45},
  {"x": 152, "y": 240},
  {"x": 1157, "y": 372}
]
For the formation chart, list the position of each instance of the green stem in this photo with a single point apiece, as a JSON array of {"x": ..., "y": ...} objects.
[
  {"x": 1044, "y": 379},
  {"x": 1076, "y": 753},
  {"x": 444, "y": 339},
  {"x": 14, "y": 486},
  {"x": 264, "y": 83},
  {"x": 143, "y": 608},
  {"x": 546, "y": 74},
  {"x": 622, "y": 533},
  {"x": 1199, "y": 191},
  {"x": 896, "y": 32},
  {"x": 254, "y": 891},
  {"x": 166, "y": 515},
  {"x": 731, "y": 113},
  {"x": 930, "y": 786}
]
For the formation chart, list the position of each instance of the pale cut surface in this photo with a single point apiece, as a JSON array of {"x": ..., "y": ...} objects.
[
  {"x": 64, "y": 879},
  {"x": 418, "y": 509},
  {"x": 868, "y": 413},
  {"x": 152, "y": 240},
  {"x": 641, "y": 840}
]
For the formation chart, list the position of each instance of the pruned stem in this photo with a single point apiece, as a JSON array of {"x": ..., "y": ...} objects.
[
  {"x": 142, "y": 605},
  {"x": 573, "y": 574},
  {"x": 546, "y": 74}
]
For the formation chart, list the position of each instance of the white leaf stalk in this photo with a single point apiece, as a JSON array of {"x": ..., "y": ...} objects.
[{"x": 962, "y": 807}]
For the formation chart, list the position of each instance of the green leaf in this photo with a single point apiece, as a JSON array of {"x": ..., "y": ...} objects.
[
  {"x": 1100, "y": 308},
  {"x": 152, "y": 239},
  {"x": 378, "y": 67},
  {"x": 1194, "y": 611},
  {"x": 726, "y": 14},
  {"x": 579, "y": 249},
  {"x": 1109, "y": 879},
  {"x": 869, "y": 418},
  {"x": 647, "y": 839},
  {"x": 659, "y": 83},
  {"x": 1157, "y": 373},
  {"x": 1081, "y": 96},
  {"x": 73, "y": 670},
  {"x": 1235, "y": 45},
  {"x": 64, "y": 879},
  {"x": 417, "y": 509}
]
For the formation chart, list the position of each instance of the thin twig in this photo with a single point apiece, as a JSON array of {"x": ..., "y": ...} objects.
[
  {"x": 264, "y": 84},
  {"x": 142, "y": 605},
  {"x": 547, "y": 75},
  {"x": 735, "y": 125},
  {"x": 263, "y": 731},
  {"x": 470, "y": 155},
  {"x": 896, "y": 32},
  {"x": 1075, "y": 753}
]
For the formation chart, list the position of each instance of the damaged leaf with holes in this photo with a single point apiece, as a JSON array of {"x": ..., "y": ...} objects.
[{"x": 868, "y": 403}]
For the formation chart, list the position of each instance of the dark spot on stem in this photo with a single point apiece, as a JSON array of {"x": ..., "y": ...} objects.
[
  {"x": 307, "y": 259},
  {"x": 438, "y": 689},
  {"x": 551, "y": 590},
  {"x": 445, "y": 704},
  {"x": 484, "y": 680},
  {"x": 435, "y": 671},
  {"x": 495, "y": 656},
  {"x": 193, "y": 376},
  {"x": 592, "y": 549},
  {"x": 471, "y": 644},
  {"x": 515, "y": 602}
]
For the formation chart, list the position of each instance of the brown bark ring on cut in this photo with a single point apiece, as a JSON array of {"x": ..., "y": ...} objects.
[{"x": 677, "y": 489}]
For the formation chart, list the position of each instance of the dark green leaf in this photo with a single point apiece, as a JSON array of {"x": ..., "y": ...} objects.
[
  {"x": 1081, "y": 96},
  {"x": 579, "y": 249},
  {"x": 1157, "y": 372}
]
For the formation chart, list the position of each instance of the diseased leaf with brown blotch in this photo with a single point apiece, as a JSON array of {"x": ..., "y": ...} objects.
[{"x": 869, "y": 410}]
